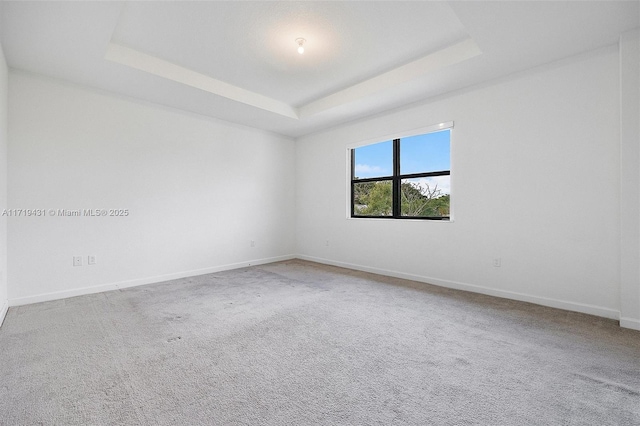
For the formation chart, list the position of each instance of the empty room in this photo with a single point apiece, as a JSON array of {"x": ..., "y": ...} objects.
[{"x": 320, "y": 213}]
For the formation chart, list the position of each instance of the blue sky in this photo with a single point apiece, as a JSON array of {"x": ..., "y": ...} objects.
[{"x": 422, "y": 153}]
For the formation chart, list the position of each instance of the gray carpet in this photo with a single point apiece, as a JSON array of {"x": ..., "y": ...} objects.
[{"x": 297, "y": 343}]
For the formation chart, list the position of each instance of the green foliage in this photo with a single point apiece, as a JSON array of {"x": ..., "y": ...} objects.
[
  {"x": 360, "y": 192},
  {"x": 423, "y": 201},
  {"x": 376, "y": 199}
]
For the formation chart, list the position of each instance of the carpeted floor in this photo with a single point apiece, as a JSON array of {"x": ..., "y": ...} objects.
[{"x": 297, "y": 343}]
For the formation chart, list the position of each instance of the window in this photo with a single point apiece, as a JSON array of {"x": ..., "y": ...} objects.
[{"x": 403, "y": 178}]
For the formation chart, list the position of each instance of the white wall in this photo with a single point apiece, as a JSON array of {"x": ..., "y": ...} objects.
[
  {"x": 535, "y": 182},
  {"x": 3, "y": 185},
  {"x": 198, "y": 191},
  {"x": 630, "y": 179}
]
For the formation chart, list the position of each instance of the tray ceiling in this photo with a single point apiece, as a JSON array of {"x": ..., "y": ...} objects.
[{"x": 238, "y": 61}]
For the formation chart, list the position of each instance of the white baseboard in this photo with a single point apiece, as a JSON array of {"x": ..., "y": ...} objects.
[
  {"x": 4, "y": 308},
  {"x": 45, "y": 297},
  {"x": 631, "y": 323},
  {"x": 554, "y": 303},
  {"x": 544, "y": 301}
]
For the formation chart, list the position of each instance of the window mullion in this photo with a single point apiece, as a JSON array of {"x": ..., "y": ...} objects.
[
  {"x": 396, "y": 178},
  {"x": 353, "y": 185}
]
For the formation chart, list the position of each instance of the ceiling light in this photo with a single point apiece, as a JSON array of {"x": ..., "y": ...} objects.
[{"x": 300, "y": 42}]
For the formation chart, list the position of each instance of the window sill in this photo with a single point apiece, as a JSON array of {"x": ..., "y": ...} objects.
[{"x": 451, "y": 220}]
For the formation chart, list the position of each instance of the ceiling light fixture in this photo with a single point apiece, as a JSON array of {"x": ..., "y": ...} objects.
[{"x": 300, "y": 42}]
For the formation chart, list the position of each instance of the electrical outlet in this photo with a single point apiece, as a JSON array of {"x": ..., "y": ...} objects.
[
  {"x": 77, "y": 260},
  {"x": 326, "y": 243},
  {"x": 91, "y": 259},
  {"x": 497, "y": 262},
  {"x": 253, "y": 243}
]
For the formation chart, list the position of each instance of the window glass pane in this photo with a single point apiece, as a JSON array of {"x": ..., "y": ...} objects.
[
  {"x": 425, "y": 197},
  {"x": 425, "y": 153},
  {"x": 374, "y": 160},
  {"x": 373, "y": 198}
]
